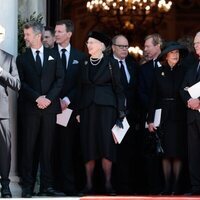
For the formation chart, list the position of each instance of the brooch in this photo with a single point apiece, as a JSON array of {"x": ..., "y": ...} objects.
[
  {"x": 86, "y": 62},
  {"x": 163, "y": 74}
]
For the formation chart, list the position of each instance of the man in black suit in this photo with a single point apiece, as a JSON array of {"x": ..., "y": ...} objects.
[
  {"x": 41, "y": 76},
  {"x": 126, "y": 151},
  {"x": 193, "y": 119},
  {"x": 68, "y": 137},
  {"x": 152, "y": 48}
]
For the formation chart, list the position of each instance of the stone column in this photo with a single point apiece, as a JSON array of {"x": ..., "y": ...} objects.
[
  {"x": 27, "y": 7},
  {"x": 8, "y": 20}
]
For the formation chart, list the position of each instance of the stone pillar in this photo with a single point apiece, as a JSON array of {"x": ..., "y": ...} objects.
[
  {"x": 27, "y": 7},
  {"x": 8, "y": 20}
]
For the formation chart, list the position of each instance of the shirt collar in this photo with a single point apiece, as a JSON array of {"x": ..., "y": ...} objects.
[
  {"x": 41, "y": 49},
  {"x": 119, "y": 59},
  {"x": 68, "y": 47}
]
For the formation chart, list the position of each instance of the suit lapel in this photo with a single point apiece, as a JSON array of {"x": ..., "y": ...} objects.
[{"x": 46, "y": 54}]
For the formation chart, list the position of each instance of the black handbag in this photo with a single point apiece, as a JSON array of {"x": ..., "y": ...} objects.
[{"x": 153, "y": 144}]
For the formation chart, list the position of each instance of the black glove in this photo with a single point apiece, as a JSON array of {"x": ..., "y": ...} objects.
[
  {"x": 121, "y": 115},
  {"x": 119, "y": 123}
]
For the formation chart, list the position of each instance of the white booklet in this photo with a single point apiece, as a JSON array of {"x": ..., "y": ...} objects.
[
  {"x": 194, "y": 91},
  {"x": 119, "y": 133},
  {"x": 157, "y": 118},
  {"x": 63, "y": 118}
]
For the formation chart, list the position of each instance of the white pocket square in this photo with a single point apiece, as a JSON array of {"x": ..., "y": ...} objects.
[
  {"x": 75, "y": 62},
  {"x": 50, "y": 58}
]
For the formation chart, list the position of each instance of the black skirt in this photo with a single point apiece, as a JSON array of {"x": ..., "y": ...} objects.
[
  {"x": 174, "y": 138},
  {"x": 96, "y": 136}
]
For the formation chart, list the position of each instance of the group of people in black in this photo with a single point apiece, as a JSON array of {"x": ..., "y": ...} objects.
[{"x": 101, "y": 89}]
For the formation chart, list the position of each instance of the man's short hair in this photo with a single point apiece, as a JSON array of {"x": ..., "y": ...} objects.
[
  {"x": 156, "y": 38},
  {"x": 36, "y": 26},
  {"x": 68, "y": 23},
  {"x": 50, "y": 29}
]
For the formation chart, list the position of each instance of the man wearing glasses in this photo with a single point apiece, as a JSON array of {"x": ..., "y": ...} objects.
[{"x": 125, "y": 152}]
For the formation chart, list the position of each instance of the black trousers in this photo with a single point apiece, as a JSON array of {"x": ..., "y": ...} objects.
[
  {"x": 38, "y": 137},
  {"x": 5, "y": 149},
  {"x": 194, "y": 154},
  {"x": 67, "y": 154}
]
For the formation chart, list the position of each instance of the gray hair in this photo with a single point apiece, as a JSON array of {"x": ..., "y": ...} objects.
[
  {"x": 37, "y": 27},
  {"x": 156, "y": 38}
]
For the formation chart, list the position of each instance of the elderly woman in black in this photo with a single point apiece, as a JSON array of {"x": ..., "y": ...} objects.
[
  {"x": 165, "y": 95},
  {"x": 101, "y": 106}
]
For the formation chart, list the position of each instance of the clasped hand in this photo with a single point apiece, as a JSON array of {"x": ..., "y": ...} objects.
[
  {"x": 42, "y": 102},
  {"x": 193, "y": 104}
]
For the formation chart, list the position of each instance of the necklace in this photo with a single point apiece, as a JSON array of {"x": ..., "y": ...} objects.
[{"x": 95, "y": 61}]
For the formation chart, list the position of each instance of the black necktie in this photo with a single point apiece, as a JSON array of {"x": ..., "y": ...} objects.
[
  {"x": 38, "y": 61},
  {"x": 64, "y": 59},
  {"x": 123, "y": 74},
  {"x": 198, "y": 72},
  {"x": 155, "y": 63}
]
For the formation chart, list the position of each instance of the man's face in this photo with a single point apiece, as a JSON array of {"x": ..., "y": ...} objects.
[
  {"x": 150, "y": 49},
  {"x": 31, "y": 38},
  {"x": 197, "y": 44},
  {"x": 48, "y": 40},
  {"x": 120, "y": 48},
  {"x": 62, "y": 36}
]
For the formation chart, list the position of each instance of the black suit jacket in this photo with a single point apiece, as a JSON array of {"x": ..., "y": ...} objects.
[
  {"x": 130, "y": 89},
  {"x": 106, "y": 88},
  {"x": 34, "y": 84},
  {"x": 71, "y": 76},
  {"x": 146, "y": 76},
  {"x": 189, "y": 80}
]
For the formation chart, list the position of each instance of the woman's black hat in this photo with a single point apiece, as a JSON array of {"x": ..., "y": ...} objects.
[
  {"x": 171, "y": 46},
  {"x": 101, "y": 37}
]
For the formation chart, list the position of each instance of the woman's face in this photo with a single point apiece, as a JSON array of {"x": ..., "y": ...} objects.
[
  {"x": 172, "y": 57},
  {"x": 95, "y": 47}
]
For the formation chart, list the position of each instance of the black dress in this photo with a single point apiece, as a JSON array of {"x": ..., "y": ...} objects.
[
  {"x": 166, "y": 95},
  {"x": 100, "y": 102}
]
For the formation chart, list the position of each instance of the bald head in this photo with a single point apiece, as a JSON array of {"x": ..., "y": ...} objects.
[
  {"x": 197, "y": 43},
  {"x": 120, "y": 47}
]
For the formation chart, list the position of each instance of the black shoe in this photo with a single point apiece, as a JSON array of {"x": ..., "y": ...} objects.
[
  {"x": 27, "y": 193},
  {"x": 70, "y": 193},
  {"x": 110, "y": 191},
  {"x": 51, "y": 192},
  {"x": 86, "y": 191},
  {"x": 5, "y": 192}
]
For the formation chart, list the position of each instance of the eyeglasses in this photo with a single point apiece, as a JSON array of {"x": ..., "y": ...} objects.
[{"x": 122, "y": 46}]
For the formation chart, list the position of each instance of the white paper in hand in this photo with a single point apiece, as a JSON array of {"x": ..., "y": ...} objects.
[
  {"x": 63, "y": 118},
  {"x": 119, "y": 133},
  {"x": 194, "y": 90},
  {"x": 157, "y": 118}
]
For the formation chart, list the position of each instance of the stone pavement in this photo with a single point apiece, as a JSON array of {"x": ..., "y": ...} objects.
[{"x": 16, "y": 191}]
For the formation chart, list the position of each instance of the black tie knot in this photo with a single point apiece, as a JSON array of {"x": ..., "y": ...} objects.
[
  {"x": 37, "y": 52},
  {"x": 63, "y": 50}
]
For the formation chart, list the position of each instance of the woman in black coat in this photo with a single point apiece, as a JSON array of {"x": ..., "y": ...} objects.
[
  {"x": 165, "y": 95},
  {"x": 101, "y": 104}
]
